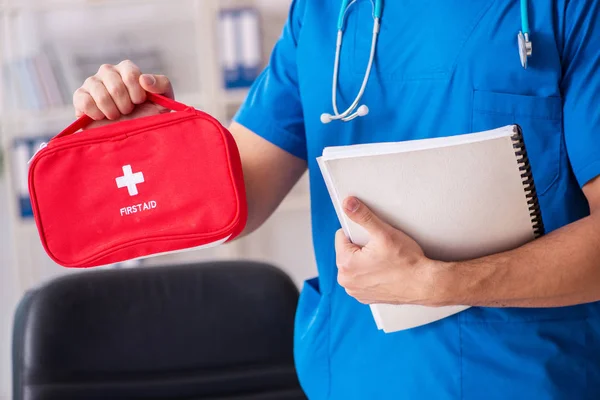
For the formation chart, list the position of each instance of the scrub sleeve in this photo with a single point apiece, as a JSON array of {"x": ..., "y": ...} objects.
[
  {"x": 273, "y": 108},
  {"x": 581, "y": 88}
]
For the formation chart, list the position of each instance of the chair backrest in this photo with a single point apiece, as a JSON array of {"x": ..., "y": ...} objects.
[{"x": 219, "y": 330}]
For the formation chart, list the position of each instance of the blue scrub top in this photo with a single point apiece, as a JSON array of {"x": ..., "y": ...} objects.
[{"x": 443, "y": 67}]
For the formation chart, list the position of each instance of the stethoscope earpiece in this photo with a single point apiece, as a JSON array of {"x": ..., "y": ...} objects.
[
  {"x": 362, "y": 111},
  {"x": 326, "y": 118}
]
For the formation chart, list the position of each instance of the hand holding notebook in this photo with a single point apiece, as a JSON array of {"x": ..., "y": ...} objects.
[{"x": 459, "y": 197}]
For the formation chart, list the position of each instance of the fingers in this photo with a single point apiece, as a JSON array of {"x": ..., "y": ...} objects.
[
  {"x": 104, "y": 95},
  {"x": 115, "y": 91},
  {"x": 362, "y": 215},
  {"x": 157, "y": 84},
  {"x": 84, "y": 104},
  {"x": 130, "y": 75},
  {"x": 102, "y": 98},
  {"x": 344, "y": 249},
  {"x": 346, "y": 253},
  {"x": 113, "y": 82}
]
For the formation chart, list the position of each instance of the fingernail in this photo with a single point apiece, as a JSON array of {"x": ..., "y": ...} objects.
[
  {"x": 149, "y": 80},
  {"x": 352, "y": 204}
]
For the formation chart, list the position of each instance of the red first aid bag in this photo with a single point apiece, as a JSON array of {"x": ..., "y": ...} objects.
[{"x": 137, "y": 188}]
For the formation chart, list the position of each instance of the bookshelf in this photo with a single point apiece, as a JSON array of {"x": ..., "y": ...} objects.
[{"x": 177, "y": 37}]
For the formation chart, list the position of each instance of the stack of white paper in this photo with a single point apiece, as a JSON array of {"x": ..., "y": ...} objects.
[{"x": 459, "y": 197}]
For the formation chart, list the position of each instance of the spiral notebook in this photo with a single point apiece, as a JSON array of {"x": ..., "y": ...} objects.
[{"x": 459, "y": 197}]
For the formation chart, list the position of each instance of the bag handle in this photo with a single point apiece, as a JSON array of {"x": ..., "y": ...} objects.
[{"x": 157, "y": 99}]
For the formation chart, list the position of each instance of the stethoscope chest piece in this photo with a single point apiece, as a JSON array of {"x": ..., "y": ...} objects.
[{"x": 525, "y": 48}]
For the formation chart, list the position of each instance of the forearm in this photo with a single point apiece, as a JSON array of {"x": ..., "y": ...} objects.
[
  {"x": 269, "y": 175},
  {"x": 559, "y": 269}
]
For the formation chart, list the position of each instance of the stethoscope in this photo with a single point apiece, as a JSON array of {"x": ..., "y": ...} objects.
[{"x": 355, "y": 111}]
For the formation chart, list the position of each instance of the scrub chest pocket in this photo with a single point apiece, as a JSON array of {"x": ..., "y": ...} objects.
[{"x": 541, "y": 121}]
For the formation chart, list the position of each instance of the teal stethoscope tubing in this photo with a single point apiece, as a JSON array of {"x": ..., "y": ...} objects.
[
  {"x": 525, "y": 17},
  {"x": 354, "y": 111}
]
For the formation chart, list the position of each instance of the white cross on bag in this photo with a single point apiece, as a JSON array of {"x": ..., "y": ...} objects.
[{"x": 130, "y": 180}]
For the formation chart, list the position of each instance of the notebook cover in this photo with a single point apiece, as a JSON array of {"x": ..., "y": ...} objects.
[{"x": 459, "y": 201}]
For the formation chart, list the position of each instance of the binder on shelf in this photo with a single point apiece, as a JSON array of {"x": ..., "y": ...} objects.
[
  {"x": 61, "y": 72},
  {"x": 26, "y": 85},
  {"x": 37, "y": 87},
  {"x": 13, "y": 95},
  {"x": 249, "y": 40},
  {"x": 48, "y": 82},
  {"x": 6, "y": 90},
  {"x": 4, "y": 87},
  {"x": 40, "y": 81},
  {"x": 229, "y": 53},
  {"x": 240, "y": 44},
  {"x": 22, "y": 151}
]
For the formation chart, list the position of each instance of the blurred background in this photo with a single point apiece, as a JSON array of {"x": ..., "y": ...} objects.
[{"x": 212, "y": 50}]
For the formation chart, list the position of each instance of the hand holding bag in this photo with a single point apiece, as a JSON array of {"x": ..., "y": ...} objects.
[{"x": 137, "y": 188}]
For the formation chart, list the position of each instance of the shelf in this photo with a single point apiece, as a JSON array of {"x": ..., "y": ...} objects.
[
  {"x": 18, "y": 118},
  {"x": 50, "y": 5}
]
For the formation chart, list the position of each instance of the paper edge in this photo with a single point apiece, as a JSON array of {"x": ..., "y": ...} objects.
[
  {"x": 321, "y": 162},
  {"x": 377, "y": 149}
]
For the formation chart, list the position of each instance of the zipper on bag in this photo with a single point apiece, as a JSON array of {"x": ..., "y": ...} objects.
[{"x": 42, "y": 147}]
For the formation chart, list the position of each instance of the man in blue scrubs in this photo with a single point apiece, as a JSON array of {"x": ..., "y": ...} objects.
[{"x": 443, "y": 67}]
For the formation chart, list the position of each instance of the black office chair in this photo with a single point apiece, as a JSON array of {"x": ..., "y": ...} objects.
[{"x": 210, "y": 331}]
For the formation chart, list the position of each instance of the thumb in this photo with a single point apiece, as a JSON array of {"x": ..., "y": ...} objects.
[
  {"x": 158, "y": 84},
  {"x": 362, "y": 215}
]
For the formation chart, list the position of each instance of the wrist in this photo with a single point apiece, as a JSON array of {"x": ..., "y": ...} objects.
[{"x": 446, "y": 284}]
